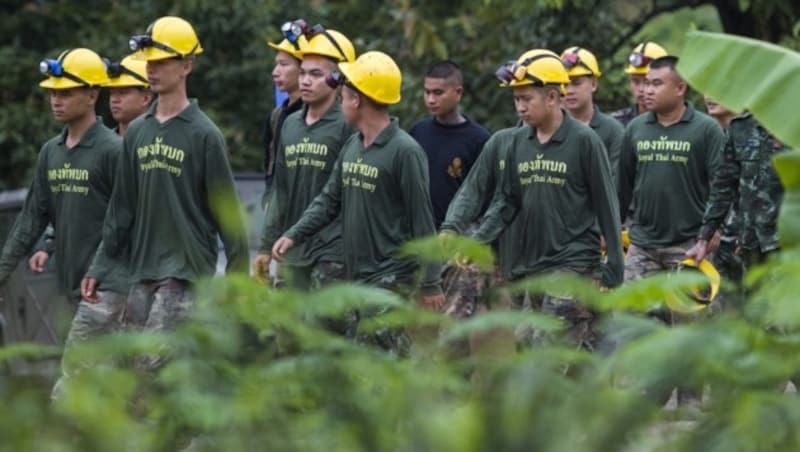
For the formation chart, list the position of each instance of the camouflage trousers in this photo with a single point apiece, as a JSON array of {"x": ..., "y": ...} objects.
[
  {"x": 315, "y": 277},
  {"x": 731, "y": 268},
  {"x": 578, "y": 320},
  {"x": 640, "y": 262},
  {"x": 158, "y": 306},
  {"x": 90, "y": 321},
  {"x": 395, "y": 340}
]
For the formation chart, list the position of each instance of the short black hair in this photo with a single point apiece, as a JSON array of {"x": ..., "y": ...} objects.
[
  {"x": 669, "y": 61},
  {"x": 446, "y": 69}
]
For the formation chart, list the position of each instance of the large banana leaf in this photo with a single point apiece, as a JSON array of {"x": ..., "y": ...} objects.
[{"x": 746, "y": 74}]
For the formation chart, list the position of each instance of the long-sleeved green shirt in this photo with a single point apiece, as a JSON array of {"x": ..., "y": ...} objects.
[
  {"x": 610, "y": 132},
  {"x": 559, "y": 191},
  {"x": 382, "y": 194},
  {"x": 304, "y": 162},
  {"x": 71, "y": 188},
  {"x": 475, "y": 194},
  {"x": 174, "y": 193},
  {"x": 667, "y": 172}
]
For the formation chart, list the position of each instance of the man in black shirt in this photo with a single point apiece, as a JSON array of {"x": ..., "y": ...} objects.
[{"x": 451, "y": 141}]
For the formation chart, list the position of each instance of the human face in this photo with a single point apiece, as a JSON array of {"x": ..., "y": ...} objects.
[
  {"x": 167, "y": 76},
  {"x": 127, "y": 103},
  {"x": 72, "y": 104},
  {"x": 664, "y": 90},
  {"x": 442, "y": 96},
  {"x": 716, "y": 110},
  {"x": 531, "y": 104},
  {"x": 313, "y": 88},
  {"x": 637, "y": 83},
  {"x": 286, "y": 72},
  {"x": 579, "y": 92},
  {"x": 350, "y": 103}
]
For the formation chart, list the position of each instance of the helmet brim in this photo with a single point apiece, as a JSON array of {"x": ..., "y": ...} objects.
[
  {"x": 125, "y": 81},
  {"x": 288, "y": 49},
  {"x": 59, "y": 83}
]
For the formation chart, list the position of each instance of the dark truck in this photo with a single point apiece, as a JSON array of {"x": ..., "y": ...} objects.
[{"x": 32, "y": 308}]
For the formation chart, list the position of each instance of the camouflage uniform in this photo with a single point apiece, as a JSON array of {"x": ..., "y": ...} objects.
[
  {"x": 747, "y": 177},
  {"x": 91, "y": 320},
  {"x": 158, "y": 306},
  {"x": 626, "y": 115},
  {"x": 578, "y": 320}
]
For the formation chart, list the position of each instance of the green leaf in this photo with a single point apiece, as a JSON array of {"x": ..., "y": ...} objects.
[
  {"x": 746, "y": 74},
  {"x": 449, "y": 247}
]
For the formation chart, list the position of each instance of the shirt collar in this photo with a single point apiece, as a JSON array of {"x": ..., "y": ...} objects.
[
  {"x": 333, "y": 113},
  {"x": 87, "y": 140},
  {"x": 386, "y": 134},
  {"x": 595, "y": 121},
  {"x": 687, "y": 115},
  {"x": 561, "y": 133},
  {"x": 186, "y": 115}
]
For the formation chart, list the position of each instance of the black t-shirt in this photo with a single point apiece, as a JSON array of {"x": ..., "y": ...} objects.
[{"x": 451, "y": 151}]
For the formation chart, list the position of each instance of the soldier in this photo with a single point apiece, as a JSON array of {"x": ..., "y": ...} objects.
[
  {"x": 380, "y": 188},
  {"x": 669, "y": 157},
  {"x": 285, "y": 76},
  {"x": 71, "y": 188},
  {"x": 557, "y": 182},
  {"x": 749, "y": 179},
  {"x": 310, "y": 143},
  {"x": 584, "y": 73},
  {"x": 638, "y": 64},
  {"x": 723, "y": 242},
  {"x": 174, "y": 161}
]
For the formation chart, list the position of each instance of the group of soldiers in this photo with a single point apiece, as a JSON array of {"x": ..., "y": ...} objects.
[{"x": 136, "y": 211}]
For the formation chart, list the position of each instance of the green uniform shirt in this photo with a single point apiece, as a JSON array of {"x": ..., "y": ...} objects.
[
  {"x": 610, "y": 132},
  {"x": 667, "y": 172},
  {"x": 748, "y": 181},
  {"x": 174, "y": 194},
  {"x": 70, "y": 189},
  {"x": 305, "y": 160},
  {"x": 382, "y": 194},
  {"x": 560, "y": 192},
  {"x": 475, "y": 195}
]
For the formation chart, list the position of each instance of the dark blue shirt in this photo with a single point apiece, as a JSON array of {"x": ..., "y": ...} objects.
[{"x": 451, "y": 151}]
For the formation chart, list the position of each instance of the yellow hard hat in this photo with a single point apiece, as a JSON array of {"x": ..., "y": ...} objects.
[
  {"x": 167, "y": 37},
  {"x": 72, "y": 69},
  {"x": 128, "y": 72},
  {"x": 579, "y": 61},
  {"x": 329, "y": 43},
  {"x": 708, "y": 269},
  {"x": 294, "y": 38},
  {"x": 641, "y": 56},
  {"x": 375, "y": 75},
  {"x": 535, "y": 67}
]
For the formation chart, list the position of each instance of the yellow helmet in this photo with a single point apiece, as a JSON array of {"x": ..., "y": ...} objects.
[
  {"x": 579, "y": 61},
  {"x": 167, "y": 37},
  {"x": 128, "y": 72},
  {"x": 641, "y": 56},
  {"x": 72, "y": 69},
  {"x": 535, "y": 67},
  {"x": 294, "y": 38},
  {"x": 329, "y": 43},
  {"x": 375, "y": 75},
  {"x": 708, "y": 269}
]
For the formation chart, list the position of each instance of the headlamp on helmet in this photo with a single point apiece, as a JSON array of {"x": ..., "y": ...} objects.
[
  {"x": 639, "y": 59},
  {"x": 293, "y": 30},
  {"x": 50, "y": 67},
  {"x": 335, "y": 79},
  {"x": 510, "y": 71},
  {"x": 116, "y": 69}
]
